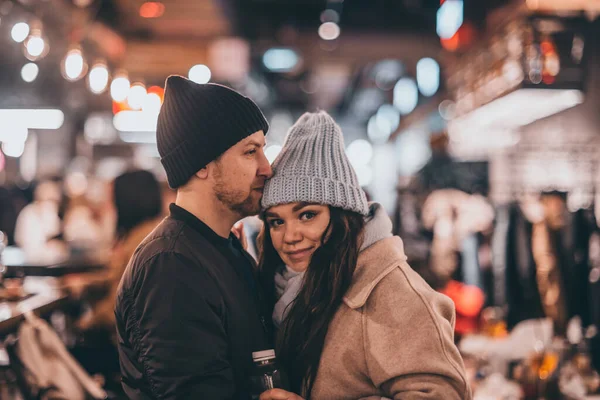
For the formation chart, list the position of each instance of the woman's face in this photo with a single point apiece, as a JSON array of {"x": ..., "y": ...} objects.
[{"x": 296, "y": 230}]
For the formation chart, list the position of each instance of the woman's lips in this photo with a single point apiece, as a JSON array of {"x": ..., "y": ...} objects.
[{"x": 298, "y": 255}]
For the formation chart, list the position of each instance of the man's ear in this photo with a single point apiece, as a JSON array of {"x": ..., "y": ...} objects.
[{"x": 203, "y": 173}]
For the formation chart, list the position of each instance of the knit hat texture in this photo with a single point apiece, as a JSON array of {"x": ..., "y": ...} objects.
[
  {"x": 199, "y": 122},
  {"x": 313, "y": 167}
]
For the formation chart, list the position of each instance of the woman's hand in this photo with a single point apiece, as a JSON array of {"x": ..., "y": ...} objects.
[{"x": 279, "y": 394}]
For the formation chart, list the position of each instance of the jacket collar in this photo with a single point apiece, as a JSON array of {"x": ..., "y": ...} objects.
[
  {"x": 183, "y": 215},
  {"x": 374, "y": 263}
]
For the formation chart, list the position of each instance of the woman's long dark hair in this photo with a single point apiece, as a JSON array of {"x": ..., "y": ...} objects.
[{"x": 328, "y": 277}]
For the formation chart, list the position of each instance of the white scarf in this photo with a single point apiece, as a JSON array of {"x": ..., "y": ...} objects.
[{"x": 287, "y": 286}]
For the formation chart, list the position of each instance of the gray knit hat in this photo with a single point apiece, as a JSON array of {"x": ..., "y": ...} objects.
[{"x": 313, "y": 167}]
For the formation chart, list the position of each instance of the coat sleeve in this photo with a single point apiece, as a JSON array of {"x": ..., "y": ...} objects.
[
  {"x": 409, "y": 340},
  {"x": 180, "y": 338}
]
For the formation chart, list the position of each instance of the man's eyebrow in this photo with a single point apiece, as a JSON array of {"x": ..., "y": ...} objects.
[{"x": 255, "y": 143}]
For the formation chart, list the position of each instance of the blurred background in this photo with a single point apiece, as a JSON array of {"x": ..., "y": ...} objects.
[{"x": 476, "y": 124}]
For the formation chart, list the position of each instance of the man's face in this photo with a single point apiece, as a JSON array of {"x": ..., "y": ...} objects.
[{"x": 240, "y": 173}]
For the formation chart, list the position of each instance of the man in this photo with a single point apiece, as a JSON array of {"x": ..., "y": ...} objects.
[{"x": 189, "y": 312}]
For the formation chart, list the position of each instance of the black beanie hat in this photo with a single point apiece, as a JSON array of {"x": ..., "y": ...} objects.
[{"x": 199, "y": 122}]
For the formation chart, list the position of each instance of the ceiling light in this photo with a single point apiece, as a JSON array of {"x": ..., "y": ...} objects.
[
  {"x": 13, "y": 148},
  {"x": 74, "y": 66},
  {"x": 280, "y": 59},
  {"x": 406, "y": 95},
  {"x": 136, "y": 96},
  {"x": 29, "y": 72},
  {"x": 200, "y": 73},
  {"x": 135, "y": 121},
  {"x": 119, "y": 88},
  {"x": 152, "y": 9},
  {"x": 329, "y": 31},
  {"x": 36, "y": 46},
  {"x": 428, "y": 76},
  {"x": 98, "y": 78},
  {"x": 20, "y": 32},
  {"x": 519, "y": 108},
  {"x": 32, "y": 118},
  {"x": 450, "y": 17}
]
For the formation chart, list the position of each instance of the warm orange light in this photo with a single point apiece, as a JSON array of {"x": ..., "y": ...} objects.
[
  {"x": 451, "y": 44},
  {"x": 118, "y": 106},
  {"x": 547, "y": 47},
  {"x": 462, "y": 39},
  {"x": 152, "y": 9}
]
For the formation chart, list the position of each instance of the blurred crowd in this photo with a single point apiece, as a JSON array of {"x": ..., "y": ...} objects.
[{"x": 56, "y": 220}]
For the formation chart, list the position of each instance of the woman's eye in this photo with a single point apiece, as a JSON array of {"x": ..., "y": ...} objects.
[
  {"x": 308, "y": 215},
  {"x": 274, "y": 223}
]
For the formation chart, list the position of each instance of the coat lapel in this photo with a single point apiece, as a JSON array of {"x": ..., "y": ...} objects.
[{"x": 374, "y": 263}]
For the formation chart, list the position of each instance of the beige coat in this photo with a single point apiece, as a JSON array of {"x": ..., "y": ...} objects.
[{"x": 393, "y": 336}]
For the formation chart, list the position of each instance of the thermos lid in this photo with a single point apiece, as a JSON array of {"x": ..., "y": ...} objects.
[{"x": 263, "y": 355}]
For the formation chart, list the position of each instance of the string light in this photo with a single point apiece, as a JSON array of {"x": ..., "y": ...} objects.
[
  {"x": 152, "y": 9},
  {"x": 119, "y": 88},
  {"x": 29, "y": 72},
  {"x": 36, "y": 46},
  {"x": 98, "y": 78},
  {"x": 74, "y": 66},
  {"x": 20, "y": 32},
  {"x": 329, "y": 31},
  {"x": 200, "y": 73},
  {"x": 137, "y": 96}
]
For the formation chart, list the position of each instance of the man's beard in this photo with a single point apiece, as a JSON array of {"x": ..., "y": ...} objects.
[{"x": 236, "y": 200}]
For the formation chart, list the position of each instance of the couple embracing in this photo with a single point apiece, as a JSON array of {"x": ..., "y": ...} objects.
[{"x": 332, "y": 292}]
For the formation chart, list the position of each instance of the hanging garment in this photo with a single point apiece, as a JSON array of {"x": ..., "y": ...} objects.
[
  {"x": 50, "y": 367},
  {"x": 576, "y": 238},
  {"x": 549, "y": 277},
  {"x": 499, "y": 243},
  {"x": 594, "y": 297},
  {"x": 471, "y": 270},
  {"x": 523, "y": 299}
]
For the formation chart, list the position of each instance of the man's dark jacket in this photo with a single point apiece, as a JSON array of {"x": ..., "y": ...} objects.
[{"x": 188, "y": 315}]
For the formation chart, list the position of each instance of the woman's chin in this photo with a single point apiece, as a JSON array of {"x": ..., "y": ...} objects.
[{"x": 298, "y": 266}]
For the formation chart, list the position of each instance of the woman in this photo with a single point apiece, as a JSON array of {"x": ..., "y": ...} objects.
[{"x": 354, "y": 319}]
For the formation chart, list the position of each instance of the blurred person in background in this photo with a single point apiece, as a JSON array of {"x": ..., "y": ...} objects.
[
  {"x": 137, "y": 200},
  {"x": 355, "y": 321},
  {"x": 38, "y": 229},
  {"x": 189, "y": 310},
  {"x": 89, "y": 222}
]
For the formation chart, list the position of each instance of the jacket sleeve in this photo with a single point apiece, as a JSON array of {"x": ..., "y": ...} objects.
[
  {"x": 409, "y": 340},
  {"x": 178, "y": 330}
]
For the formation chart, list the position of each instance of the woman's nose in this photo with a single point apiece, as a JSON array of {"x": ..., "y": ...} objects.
[{"x": 292, "y": 234}]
